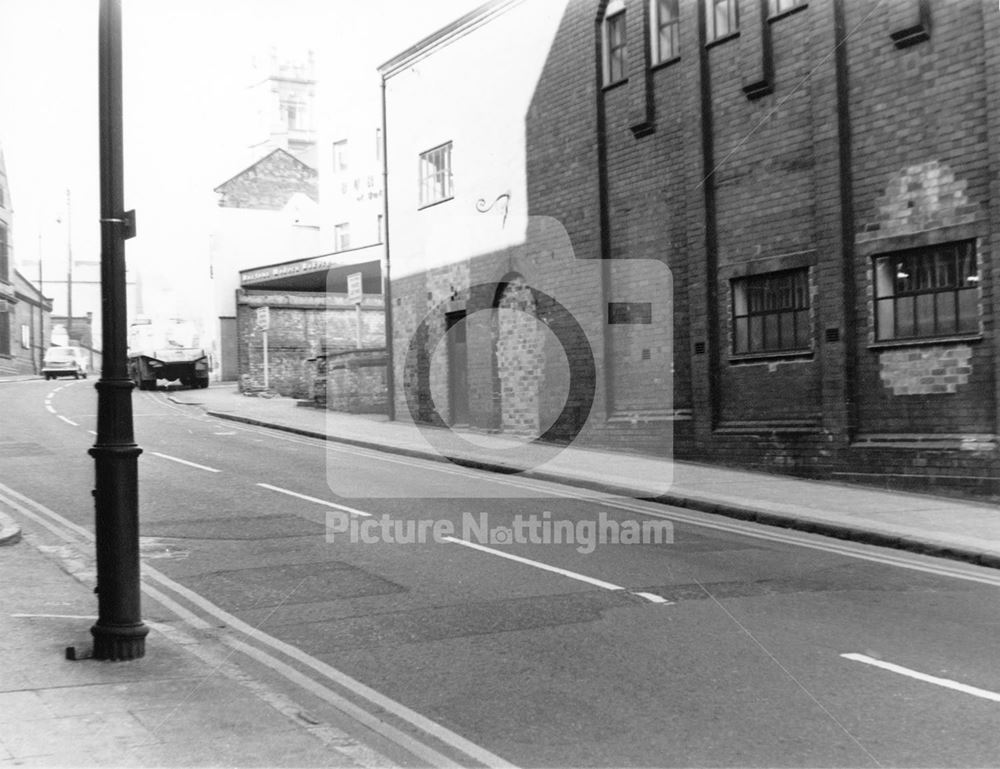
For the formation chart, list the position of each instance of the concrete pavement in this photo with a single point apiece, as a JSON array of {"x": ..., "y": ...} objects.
[
  {"x": 941, "y": 526},
  {"x": 184, "y": 704}
]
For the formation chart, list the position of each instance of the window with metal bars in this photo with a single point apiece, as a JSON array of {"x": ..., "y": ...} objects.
[
  {"x": 771, "y": 312},
  {"x": 927, "y": 292}
]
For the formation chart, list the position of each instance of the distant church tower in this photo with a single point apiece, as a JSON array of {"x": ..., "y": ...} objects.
[{"x": 283, "y": 99}]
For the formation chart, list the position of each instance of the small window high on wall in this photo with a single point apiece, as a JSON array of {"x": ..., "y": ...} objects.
[
  {"x": 615, "y": 43},
  {"x": 664, "y": 18},
  {"x": 771, "y": 312},
  {"x": 436, "y": 182},
  {"x": 927, "y": 292},
  {"x": 722, "y": 18}
]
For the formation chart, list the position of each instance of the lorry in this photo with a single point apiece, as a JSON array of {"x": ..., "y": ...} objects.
[{"x": 165, "y": 350}]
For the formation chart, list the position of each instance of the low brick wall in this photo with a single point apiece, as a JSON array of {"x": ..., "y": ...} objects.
[{"x": 355, "y": 381}]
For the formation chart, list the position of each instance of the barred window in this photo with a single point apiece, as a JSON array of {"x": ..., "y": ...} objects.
[
  {"x": 722, "y": 17},
  {"x": 615, "y": 43},
  {"x": 435, "y": 175},
  {"x": 771, "y": 312},
  {"x": 665, "y": 30},
  {"x": 927, "y": 292}
]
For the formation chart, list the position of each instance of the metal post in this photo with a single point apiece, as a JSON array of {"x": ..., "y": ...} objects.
[
  {"x": 69, "y": 271},
  {"x": 119, "y": 633},
  {"x": 41, "y": 308}
]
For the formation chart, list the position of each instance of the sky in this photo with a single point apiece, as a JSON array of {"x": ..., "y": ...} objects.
[{"x": 186, "y": 68}]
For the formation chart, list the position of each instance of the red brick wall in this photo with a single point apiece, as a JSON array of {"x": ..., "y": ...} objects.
[{"x": 820, "y": 172}]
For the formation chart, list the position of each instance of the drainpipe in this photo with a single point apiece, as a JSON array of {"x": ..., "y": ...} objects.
[{"x": 390, "y": 373}]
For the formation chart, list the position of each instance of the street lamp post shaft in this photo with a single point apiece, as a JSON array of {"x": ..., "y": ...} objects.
[{"x": 119, "y": 633}]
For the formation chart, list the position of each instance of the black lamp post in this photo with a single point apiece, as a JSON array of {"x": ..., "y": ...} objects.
[{"x": 119, "y": 633}]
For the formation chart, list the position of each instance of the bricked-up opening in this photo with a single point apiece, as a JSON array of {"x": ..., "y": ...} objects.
[
  {"x": 771, "y": 312},
  {"x": 927, "y": 292},
  {"x": 520, "y": 358}
]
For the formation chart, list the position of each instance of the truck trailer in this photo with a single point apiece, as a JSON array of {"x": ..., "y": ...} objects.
[{"x": 169, "y": 351}]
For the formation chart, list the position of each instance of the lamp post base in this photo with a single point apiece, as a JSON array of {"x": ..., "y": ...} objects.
[{"x": 119, "y": 642}]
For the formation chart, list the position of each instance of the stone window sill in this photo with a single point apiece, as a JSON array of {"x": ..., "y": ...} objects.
[
  {"x": 888, "y": 344},
  {"x": 770, "y": 357}
]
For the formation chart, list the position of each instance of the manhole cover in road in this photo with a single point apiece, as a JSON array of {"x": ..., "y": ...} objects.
[{"x": 22, "y": 449}]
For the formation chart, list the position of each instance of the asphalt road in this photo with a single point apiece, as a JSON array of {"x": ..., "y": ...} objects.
[{"x": 722, "y": 647}]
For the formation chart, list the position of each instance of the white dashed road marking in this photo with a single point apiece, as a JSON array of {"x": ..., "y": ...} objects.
[
  {"x": 318, "y": 501},
  {"x": 975, "y": 691},
  {"x": 185, "y": 462}
]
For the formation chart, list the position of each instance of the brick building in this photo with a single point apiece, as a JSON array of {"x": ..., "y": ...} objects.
[
  {"x": 310, "y": 311},
  {"x": 25, "y": 315},
  {"x": 821, "y": 181}
]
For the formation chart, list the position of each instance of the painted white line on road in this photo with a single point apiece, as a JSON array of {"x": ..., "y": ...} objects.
[
  {"x": 317, "y": 500},
  {"x": 537, "y": 564},
  {"x": 67, "y": 420},
  {"x": 653, "y": 597},
  {"x": 975, "y": 691},
  {"x": 92, "y": 432},
  {"x": 380, "y": 701},
  {"x": 372, "y": 721},
  {"x": 185, "y": 462},
  {"x": 399, "y": 710},
  {"x": 48, "y": 407},
  {"x": 55, "y": 616},
  {"x": 858, "y": 551}
]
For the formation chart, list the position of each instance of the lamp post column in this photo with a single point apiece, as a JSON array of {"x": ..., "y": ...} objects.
[{"x": 119, "y": 633}]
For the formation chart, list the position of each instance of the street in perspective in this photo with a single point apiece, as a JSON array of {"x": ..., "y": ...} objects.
[{"x": 528, "y": 383}]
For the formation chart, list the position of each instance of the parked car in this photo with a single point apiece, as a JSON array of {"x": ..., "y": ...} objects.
[{"x": 64, "y": 361}]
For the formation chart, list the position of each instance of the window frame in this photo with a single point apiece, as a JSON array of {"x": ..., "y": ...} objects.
[
  {"x": 4, "y": 253},
  {"x": 435, "y": 183},
  {"x": 614, "y": 15},
  {"x": 339, "y": 152},
  {"x": 926, "y": 263},
  {"x": 5, "y": 322},
  {"x": 656, "y": 28},
  {"x": 342, "y": 236},
  {"x": 712, "y": 33},
  {"x": 743, "y": 314},
  {"x": 777, "y": 8}
]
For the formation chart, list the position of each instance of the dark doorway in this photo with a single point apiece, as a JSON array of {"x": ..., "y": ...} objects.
[{"x": 458, "y": 369}]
